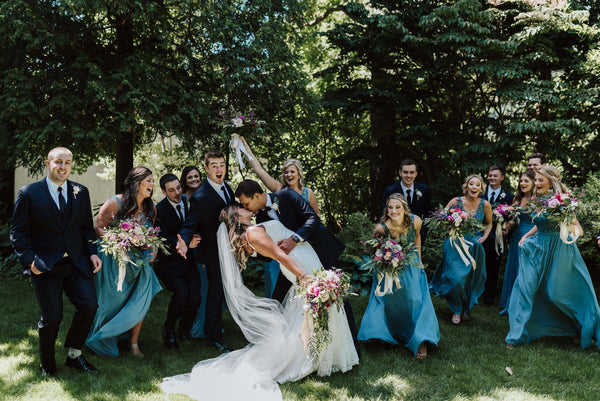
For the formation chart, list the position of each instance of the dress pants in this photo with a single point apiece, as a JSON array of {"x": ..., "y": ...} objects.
[{"x": 185, "y": 285}]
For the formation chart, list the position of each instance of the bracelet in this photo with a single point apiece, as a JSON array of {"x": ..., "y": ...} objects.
[{"x": 301, "y": 277}]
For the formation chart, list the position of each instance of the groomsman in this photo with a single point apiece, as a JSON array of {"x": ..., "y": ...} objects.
[
  {"x": 295, "y": 213},
  {"x": 203, "y": 219},
  {"x": 178, "y": 274},
  {"x": 417, "y": 195},
  {"x": 535, "y": 161},
  {"x": 52, "y": 233},
  {"x": 496, "y": 195}
]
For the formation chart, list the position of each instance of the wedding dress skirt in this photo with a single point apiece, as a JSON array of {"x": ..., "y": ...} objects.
[{"x": 277, "y": 351}]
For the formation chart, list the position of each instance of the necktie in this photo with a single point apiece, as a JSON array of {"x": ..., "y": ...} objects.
[
  {"x": 493, "y": 197},
  {"x": 178, "y": 207},
  {"x": 408, "y": 197},
  {"x": 227, "y": 199},
  {"x": 62, "y": 204},
  {"x": 267, "y": 209}
]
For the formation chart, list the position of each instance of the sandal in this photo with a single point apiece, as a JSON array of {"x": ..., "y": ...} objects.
[
  {"x": 456, "y": 318},
  {"x": 135, "y": 351},
  {"x": 422, "y": 352}
]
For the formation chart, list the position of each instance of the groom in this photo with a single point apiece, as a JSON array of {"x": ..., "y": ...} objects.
[
  {"x": 294, "y": 212},
  {"x": 52, "y": 233}
]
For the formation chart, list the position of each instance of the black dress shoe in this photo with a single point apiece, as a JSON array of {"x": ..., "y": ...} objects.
[
  {"x": 80, "y": 364},
  {"x": 170, "y": 341},
  {"x": 221, "y": 347},
  {"x": 185, "y": 336},
  {"x": 47, "y": 372}
]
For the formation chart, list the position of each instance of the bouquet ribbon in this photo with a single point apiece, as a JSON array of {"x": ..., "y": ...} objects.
[
  {"x": 122, "y": 259},
  {"x": 499, "y": 243},
  {"x": 388, "y": 284},
  {"x": 462, "y": 247},
  {"x": 569, "y": 230},
  {"x": 238, "y": 147}
]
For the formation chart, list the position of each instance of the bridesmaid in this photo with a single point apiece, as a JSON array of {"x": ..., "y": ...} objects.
[
  {"x": 522, "y": 197},
  {"x": 458, "y": 282},
  {"x": 122, "y": 311},
  {"x": 191, "y": 179},
  {"x": 292, "y": 177},
  {"x": 407, "y": 314},
  {"x": 553, "y": 294}
]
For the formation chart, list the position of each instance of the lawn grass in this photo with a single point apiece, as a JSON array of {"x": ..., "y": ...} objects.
[{"x": 470, "y": 363}]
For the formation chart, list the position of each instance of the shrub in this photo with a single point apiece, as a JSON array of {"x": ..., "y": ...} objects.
[
  {"x": 589, "y": 218},
  {"x": 358, "y": 228}
]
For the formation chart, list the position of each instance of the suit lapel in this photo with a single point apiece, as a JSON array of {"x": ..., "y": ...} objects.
[{"x": 48, "y": 201}]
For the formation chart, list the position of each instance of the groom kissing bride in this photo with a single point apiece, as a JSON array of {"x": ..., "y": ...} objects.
[{"x": 286, "y": 229}]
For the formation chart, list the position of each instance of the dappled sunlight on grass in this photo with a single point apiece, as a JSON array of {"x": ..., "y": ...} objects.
[
  {"x": 507, "y": 395},
  {"x": 393, "y": 386}
]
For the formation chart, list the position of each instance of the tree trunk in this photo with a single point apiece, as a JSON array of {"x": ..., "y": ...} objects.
[
  {"x": 124, "y": 161},
  {"x": 7, "y": 190}
]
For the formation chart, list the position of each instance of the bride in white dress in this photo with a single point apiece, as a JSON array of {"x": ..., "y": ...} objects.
[{"x": 277, "y": 352}]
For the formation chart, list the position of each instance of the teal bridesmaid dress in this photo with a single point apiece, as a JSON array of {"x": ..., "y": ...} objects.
[
  {"x": 406, "y": 315},
  {"x": 456, "y": 281},
  {"x": 553, "y": 294}
]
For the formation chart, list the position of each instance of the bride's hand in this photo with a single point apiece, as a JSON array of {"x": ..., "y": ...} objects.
[{"x": 305, "y": 278}]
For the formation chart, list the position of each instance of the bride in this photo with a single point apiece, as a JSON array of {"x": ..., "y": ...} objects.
[{"x": 277, "y": 352}]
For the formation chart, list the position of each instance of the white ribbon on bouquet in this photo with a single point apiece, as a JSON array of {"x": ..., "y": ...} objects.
[{"x": 237, "y": 145}]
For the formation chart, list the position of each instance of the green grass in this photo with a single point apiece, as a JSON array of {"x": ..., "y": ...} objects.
[{"x": 470, "y": 363}]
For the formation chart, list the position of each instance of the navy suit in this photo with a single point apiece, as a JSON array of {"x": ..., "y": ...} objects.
[
  {"x": 203, "y": 218},
  {"x": 60, "y": 243},
  {"x": 179, "y": 275},
  {"x": 492, "y": 258},
  {"x": 296, "y": 214},
  {"x": 420, "y": 205}
]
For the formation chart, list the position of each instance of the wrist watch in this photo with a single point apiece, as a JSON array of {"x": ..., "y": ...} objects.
[{"x": 296, "y": 238}]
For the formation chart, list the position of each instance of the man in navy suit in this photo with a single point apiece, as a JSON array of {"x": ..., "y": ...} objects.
[
  {"x": 52, "y": 232},
  {"x": 417, "y": 195},
  {"x": 496, "y": 195},
  {"x": 295, "y": 213},
  {"x": 179, "y": 275},
  {"x": 203, "y": 219}
]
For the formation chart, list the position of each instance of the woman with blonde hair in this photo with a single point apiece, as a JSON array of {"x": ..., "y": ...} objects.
[
  {"x": 460, "y": 283},
  {"x": 553, "y": 294},
  {"x": 277, "y": 352},
  {"x": 405, "y": 315}
]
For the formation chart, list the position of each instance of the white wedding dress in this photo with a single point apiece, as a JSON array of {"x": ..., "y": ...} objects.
[{"x": 276, "y": 353}]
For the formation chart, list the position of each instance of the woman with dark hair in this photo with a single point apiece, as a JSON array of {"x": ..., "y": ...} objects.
[
  {"x": 406, "y": 315},
  {"x": 523, "y": 196},
  {"x": 190, "y": 180},
  {"x": 553, "y": 294},
  {"x": 123, "y": 310}
]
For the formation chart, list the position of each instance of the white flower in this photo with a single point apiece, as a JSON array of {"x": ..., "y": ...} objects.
[
  {"x": 76, "y": 190},
  {"x": 237, "y": 122},
  {"x": 502, "y": 195},
  {"x": 275, "y": 205},
  {"x": 418, "y": 193}
]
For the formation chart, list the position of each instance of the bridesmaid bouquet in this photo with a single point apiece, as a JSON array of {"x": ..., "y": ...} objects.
[
  {"x": 457, "y": 224},
  {"x": 561, "y": 207},
  {"x": 327, "y": 289},
  {"x": 390, "y": 258},
  {"x": 502, "y": 215},
  {"x": 127, "y": 241}
]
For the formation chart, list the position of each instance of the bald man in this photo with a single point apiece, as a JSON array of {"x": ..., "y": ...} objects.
[{"x": 52, "y": 233}]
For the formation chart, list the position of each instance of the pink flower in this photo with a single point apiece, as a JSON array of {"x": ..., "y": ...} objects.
[
  {"x": 316, "y": 290},
  {"x": 552, "y": 203},
  {"x": 125, "y": 225}
]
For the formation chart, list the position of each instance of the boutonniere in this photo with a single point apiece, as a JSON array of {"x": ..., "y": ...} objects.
[
  {"x": 502, "y": 195},
  {"x": 275, "y": 205},
  {"x": 76, "y": 189},
  {"x": 418, "y": 193}
]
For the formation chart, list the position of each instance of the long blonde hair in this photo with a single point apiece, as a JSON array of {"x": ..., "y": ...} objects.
[
  {"x": 404, "y": 202},
  {"x": 298, "y": 164},
  {"x": 237, "y": 233},
  {"x": 553, "y": 175}
]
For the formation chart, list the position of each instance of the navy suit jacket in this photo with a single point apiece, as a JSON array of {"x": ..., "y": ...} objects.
[
  {"x": 170, "y": 225},
  {"x": 38, "y": 234},
  {"x": 421, "y": 205},
  {"x": 505, "y": 198},
  {"x": 296, "y": 214},
  {"x": 203, "y": 218}
]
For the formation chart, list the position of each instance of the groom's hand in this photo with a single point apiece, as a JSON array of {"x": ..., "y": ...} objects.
[
  {"x": 286, "y": 245},
  {"x": 96, "y": 262},
  {"x": 181, "y": 247}
]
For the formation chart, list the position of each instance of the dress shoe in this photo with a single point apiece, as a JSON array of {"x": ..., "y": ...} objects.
[
  {"x": 80, "y": 364},
  {"x": 185, "y": 336},
  {"x": 221, "y": 347},
  {"x": 170, "y": 341},
  {"x": 47, "y": 372}
]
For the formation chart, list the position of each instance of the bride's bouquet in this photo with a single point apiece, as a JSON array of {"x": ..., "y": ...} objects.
[
  {"x": 562, "y": 208},
  {"x": 390, "y": 258},
  {"x": 127, "y": 241},
  {"x": 326, "y": 290},
  {"x": 457, "y": 223},
  {"x": 502, "y": 215},
  {"x": 243, "y": 123}
]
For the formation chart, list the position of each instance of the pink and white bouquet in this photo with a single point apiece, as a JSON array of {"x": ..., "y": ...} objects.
[
  {"x": 326, "y": 290},
  {"x": 127, "y": 241},
  {"x": 502, "y": 215},
  {"x": 561, "y": 207},
  {"x": 390, "y": 258}
]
